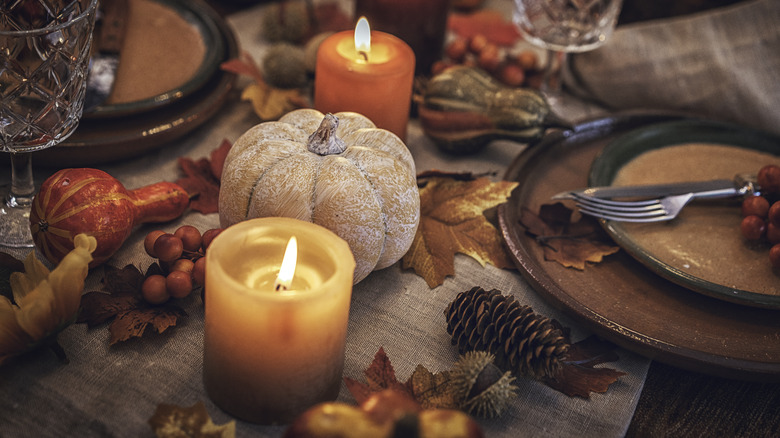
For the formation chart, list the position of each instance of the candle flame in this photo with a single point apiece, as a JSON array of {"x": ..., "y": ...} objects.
[
  {"x": 287, "y": 271},
  {"x": 363, "y": 38}
]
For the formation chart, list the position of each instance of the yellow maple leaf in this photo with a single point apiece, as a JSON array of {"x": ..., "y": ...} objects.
[
  {"x": 452, "y": 221},
  {"x": 172, "y": 421},
  {"x": 270, "y": 103}
]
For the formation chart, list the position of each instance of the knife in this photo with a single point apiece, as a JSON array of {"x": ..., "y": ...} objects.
[
  {"x": 110, "y": 33},
  {"x": 740, "y": 185}
]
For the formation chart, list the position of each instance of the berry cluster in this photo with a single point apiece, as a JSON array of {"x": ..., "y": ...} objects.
[
  {"x": 514, "y": 70},
  {"x": 761, "y": 214},
  {"x": 181, "y": 257}
]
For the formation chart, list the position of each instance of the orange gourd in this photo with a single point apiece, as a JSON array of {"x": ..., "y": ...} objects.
[{"x": 90, "y": 201}]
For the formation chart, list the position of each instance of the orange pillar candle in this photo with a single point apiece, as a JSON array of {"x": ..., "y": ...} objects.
[
  {"x": 368, "y": 75},
  {"x": 270, "y": 354}
]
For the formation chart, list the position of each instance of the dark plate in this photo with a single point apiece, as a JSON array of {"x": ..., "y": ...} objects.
[
  {"x": 729, "y": 281},
  {"x": 619, "y": 298},
  {"x": 202, "y": 18},
  {"x": 104, "y": 140}
]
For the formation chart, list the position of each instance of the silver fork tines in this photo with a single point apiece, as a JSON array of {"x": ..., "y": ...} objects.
[{"x": 650, "y": 210}]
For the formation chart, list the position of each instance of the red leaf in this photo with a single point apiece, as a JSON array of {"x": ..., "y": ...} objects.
[
  {"x": 200, "y": 182},
  {"x": 380, "y": 375},
  {"x": 244, "y": 65},
  {"x": 218, "y": 156}
]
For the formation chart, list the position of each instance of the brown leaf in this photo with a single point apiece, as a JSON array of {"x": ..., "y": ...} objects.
[
  {"x": 432, "y": 391},
  {"x": 380, "y": 375},
  {"x": 171, "y": 421},
  {"x": 130, "y": 312},
  {"x": 329, "y": 17},
  {"x": 492, "y": 24},
  {"x": 201, "y": 182},
  {"x": 572, "y": 244},
  {"x": 578, "y": 377},
  {"x": 245, "y": 65},
  {"x": 217, "y": 158},
  {"x": 452, "y": 221},
  {"x": 133, "y": 323}
]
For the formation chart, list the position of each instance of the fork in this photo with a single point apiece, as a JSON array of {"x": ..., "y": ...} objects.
[{"x": 649, "y": 210}]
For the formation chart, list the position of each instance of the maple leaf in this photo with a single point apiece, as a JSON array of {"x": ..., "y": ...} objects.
[
  {"x": 452, "y": 221},
  {"x": 380, "y": 375},
  {"x": 171, "y": 421},
  {"x": 217, "y": 158},
  {"x": 572, "y": 244},
  {"x": 131, "y": 314},
  {"x": 201, "y": 183},
  {"x": 578, "y": 377},
  {"x": 494, "y": 26},
  {"x": 269, "y": 103},
  {"x": 432, "y": 391}
]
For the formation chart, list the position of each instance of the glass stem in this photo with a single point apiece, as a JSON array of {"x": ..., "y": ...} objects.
[
  {"x": 22, "y": 182},
  {"x": 552, "y": 72}
]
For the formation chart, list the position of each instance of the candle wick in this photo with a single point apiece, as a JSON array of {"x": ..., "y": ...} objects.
[
  {"x": 280, "y": 287},
  {"x": 364, "y": 54}
]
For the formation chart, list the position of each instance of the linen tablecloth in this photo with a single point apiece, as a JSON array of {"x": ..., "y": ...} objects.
[{"x": 114, "y": 390}]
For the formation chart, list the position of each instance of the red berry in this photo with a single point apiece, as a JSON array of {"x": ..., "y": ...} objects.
[
  {"x": 774, "y": 256},
  {"x": 774, "y": 213},
  {"x": 190, "y": 237},
  {"x": 168, "y": 247},
  {"x": 184, "y": 265},
  {"x": 154, "y": 290},
  {"x": 199, "y": 271},
  {"x": 769, "y": 178},
  {"x": 755, "y": 205},
  {"x": 772, "y": 233},
  {"x": 149, "y": 241},
  {"x": 456, "y": 50},
  {"x": 178, "y": 284},
  {"x": 209, "y": 235},
  {"x": 753, "y": 227}
]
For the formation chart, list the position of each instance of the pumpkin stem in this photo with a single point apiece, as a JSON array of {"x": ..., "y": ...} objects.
[{"x": 323, "y": 141}]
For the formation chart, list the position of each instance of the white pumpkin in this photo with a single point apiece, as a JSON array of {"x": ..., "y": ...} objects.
[{"x": 339, "y": 171}]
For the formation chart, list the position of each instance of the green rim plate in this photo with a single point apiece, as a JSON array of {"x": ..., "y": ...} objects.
[
  {"x": 198, "y": 15},
  {"x": 623, "y": 149}
]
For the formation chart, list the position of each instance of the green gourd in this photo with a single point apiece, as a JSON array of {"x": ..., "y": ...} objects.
[{"x": 464, "y": 108}]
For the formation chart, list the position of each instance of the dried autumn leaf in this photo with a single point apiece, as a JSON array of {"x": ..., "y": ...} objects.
[
  {"x": 492, "y": 24},
  {"x": 572, "y": 244},
  {"x": 452, "y": 221},
  {"x": 8, "y": 265},
  {"x": 131, "y": 314},
  {"x": 217, "y": 158},
  {"x": 380, "y": 375},
  {"x": 578, "y": 377},
  {"x": 200, "y": 181},
  {"x": 270, "y": 103},
  {"x": 432, "y": 391},
  {"x": 171, "y": 421}
]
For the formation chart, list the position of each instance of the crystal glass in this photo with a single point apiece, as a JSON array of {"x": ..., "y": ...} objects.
[
  {"x": 565, "y": 26},
  {"x": 44, "y": 58}
]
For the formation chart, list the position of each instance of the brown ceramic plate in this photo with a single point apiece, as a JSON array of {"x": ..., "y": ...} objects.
[
  {"x": 619, "y": 298},
  {"x": 98, "y": 141},
  {"x": 162, "y": 86}
]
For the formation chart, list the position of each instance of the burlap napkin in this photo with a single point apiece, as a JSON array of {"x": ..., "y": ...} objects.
[{"x": 722, "y": 63}]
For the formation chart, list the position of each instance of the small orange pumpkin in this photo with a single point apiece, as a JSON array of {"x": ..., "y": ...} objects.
[{"x": 90, "y": 201}]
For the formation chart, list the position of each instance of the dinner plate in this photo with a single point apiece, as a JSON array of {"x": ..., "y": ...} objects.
[
  {"x": 703, "y": 248},
  {"x": 200, "y": 17},
  {"x": 619, "y": 298},
  {"x": 98, "y": 141}
]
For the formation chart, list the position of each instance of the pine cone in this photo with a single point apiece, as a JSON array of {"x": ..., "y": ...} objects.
[{"x": 523, "y": 342}]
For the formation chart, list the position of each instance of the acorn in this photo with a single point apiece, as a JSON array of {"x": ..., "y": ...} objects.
[
  {"x": 286, "y": 21},
  {"x": 284, "y": 66},
  {"x": 479, "y": 386}
]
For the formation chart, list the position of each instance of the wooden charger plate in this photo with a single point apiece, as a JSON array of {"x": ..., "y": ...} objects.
[{"x": 619, "y": 298}]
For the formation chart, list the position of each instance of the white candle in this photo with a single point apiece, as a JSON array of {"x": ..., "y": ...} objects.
[{"x": 269, "y": 355}]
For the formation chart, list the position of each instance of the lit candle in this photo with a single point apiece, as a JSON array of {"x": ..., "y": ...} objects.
[
  {"x": 271, "y": 354},
  {"x": 367, "y": 72}
]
